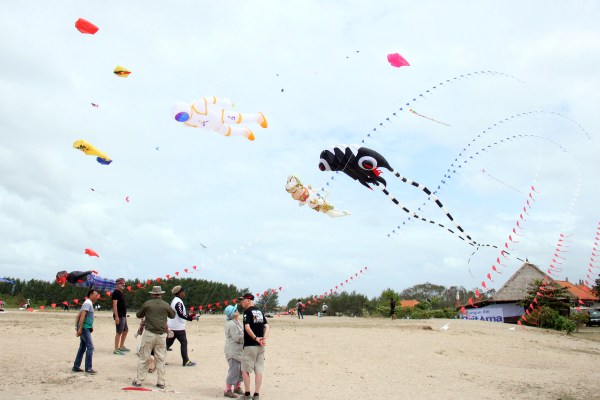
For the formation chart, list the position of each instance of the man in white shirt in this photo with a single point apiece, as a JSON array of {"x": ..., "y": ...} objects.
[{"x": 177, "y": 324}]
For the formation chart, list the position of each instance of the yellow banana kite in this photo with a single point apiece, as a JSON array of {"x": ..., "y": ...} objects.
[{"x": 89, "y": 149}]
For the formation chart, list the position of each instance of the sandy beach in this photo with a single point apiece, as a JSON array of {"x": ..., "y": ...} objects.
[{"x": 316, "y": 358}]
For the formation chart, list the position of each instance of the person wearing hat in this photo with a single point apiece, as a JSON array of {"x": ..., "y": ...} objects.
[
  {"x": 155, "y": 313},
  {"x": 119, "y": 308},
  {"x": 256, "y": 331},
  {"x": 234, "y": 344},
  {"x": 177, "y": 324}
]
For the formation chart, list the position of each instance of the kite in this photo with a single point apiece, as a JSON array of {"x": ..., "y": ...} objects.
[
  {"x": 89, "y": 149},
  {"x": 215, "y": 114},
  {"x": 127, "y": 199},
  {"x": 362, "y": 164},
  {"x": 87, "y": 279},
  {"x": 4, "y": 280},
  {"x": 84, "y": 26},
  {"x": 426, "y": 117},
  {"x": 95, "y": 105},
  {"x": 305, "y": 195},
  {"x": 91, "y": 253},
  {"x": 396, "y": 60},
  {"x": 121, "y": 72}
]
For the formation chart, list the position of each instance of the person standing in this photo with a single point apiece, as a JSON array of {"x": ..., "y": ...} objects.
[
  {"x": 325, "y": 308},
  {"x": 119, "y": 308},
  {"x": 234, "y": 345},
  {"x": 177, "y": 324},
  {"x": 299, "y": 308},
  {"x": 155, "y": 313},
  {"x": 392, "y": 308},
  {"x": 256, "y": 332},
  {"x": 85, "y": 327}
]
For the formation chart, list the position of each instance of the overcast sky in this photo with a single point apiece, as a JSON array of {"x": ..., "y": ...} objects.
[{"x": 529, "y": 71}]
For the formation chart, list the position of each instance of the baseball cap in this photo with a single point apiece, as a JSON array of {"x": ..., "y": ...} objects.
[{"x": 248, "y": 296}]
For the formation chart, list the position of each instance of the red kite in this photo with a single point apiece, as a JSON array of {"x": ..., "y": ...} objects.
[{"x": 84, "y": 26}]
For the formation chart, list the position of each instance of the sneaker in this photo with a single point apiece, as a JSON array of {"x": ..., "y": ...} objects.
[
  {"x": 238, "y": 391},
  {"x": 160, "y": 385},
  {"x": 124, "y": 349},
  {"x": 118, "y": 352},
  {"x": 91, "y": 371},
  {"x": 76, "y": 369},
  {"x": 231, "y": 395},
  {"x": 189, "y": 364},
  {"x": 136, "y": 384}
]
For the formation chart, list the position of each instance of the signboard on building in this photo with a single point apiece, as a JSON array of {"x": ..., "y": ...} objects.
[{"x": 491, "y": 314}]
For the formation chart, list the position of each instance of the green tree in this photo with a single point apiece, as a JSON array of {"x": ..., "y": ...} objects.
[
  {"x": 551, "y": 300},
  {"x": 596, "y": 287},
  {"x": 268, "y": 302},
  {"x": 423, "y": 292}
]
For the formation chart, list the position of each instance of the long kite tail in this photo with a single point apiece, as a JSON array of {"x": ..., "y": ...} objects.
[
  {"x": 411, "y": 213},
  {"x": 437, "y": 201},
  {"x": 144, "y": 389}
]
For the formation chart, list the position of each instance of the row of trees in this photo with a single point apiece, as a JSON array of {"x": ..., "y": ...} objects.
[
  {"x": 198, "y": 292},
  {"x": 435, "y": 301}
]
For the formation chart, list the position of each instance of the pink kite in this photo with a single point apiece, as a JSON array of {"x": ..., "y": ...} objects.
[
  {"x": 396, "y": 60},
  {"x": 91, "y": 253},
  {"x": 84, "y": 26}
]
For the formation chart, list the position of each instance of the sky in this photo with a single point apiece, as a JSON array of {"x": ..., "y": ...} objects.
[{"x": 509, "y": 90}]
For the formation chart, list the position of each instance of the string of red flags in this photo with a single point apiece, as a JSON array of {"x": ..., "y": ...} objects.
[
  {"x": 531, "y": 316},
  {"x": 506, "y": 249}
]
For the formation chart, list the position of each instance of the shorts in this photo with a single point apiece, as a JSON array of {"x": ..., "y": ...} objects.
[
  {"x": 254, "y": 359},
  {"x": 122, "y": 327},
  {"x": 234, "y": 374}
]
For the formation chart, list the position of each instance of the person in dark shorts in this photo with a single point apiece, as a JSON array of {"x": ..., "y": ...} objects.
[
  {"x": 256, "y": 332},
  {"x": 119, "y": 308}
]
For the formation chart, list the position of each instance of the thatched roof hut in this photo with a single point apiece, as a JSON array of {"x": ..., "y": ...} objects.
[{"x": 515, "y": 288}]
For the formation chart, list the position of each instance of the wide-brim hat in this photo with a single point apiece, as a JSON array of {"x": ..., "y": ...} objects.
[{"x": 156, "y": 290}]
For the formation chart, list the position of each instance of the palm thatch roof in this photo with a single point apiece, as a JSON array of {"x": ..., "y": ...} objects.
[{"x": 515, "y": 288}]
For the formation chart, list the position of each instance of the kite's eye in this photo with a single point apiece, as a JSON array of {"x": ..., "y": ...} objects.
[
  {"x": 182, "y": 116},
  {"x": 324, "y": 165},
  {"x": 367, "y": 162}
]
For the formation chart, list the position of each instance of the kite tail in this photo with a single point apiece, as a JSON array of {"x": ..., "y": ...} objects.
[
  {"x": 411, "y": 213},
  {"x": 437, "y": 201},
  {"x": 479, "y": 245}
]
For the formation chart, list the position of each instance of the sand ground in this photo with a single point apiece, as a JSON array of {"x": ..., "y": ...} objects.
[{"x": 316, "y": 358}]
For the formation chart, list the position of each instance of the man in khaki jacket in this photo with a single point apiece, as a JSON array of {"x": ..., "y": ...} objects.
[{"x": 155, "y": 311}]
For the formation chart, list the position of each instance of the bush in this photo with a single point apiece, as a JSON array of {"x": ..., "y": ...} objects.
[{"x": 579, "y": 319}]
